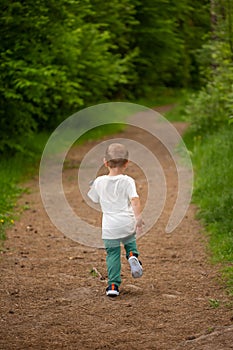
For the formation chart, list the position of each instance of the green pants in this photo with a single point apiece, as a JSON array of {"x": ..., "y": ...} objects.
[{"x": 113, "y": 259}]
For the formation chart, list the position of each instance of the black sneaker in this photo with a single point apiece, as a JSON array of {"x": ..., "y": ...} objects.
[{"x": 112, "y": 290}]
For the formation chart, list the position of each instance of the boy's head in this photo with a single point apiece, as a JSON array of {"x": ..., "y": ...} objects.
[{"x": 116, "y": 155}]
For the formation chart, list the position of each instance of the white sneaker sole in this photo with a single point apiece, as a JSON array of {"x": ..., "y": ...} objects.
[
  {"x": 112, "y": 293},
  {"x": 136, "y": 268}
]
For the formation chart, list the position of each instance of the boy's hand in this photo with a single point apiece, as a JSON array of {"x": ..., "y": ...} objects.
[
  {"x": 139, "y": 225},
  {"x": 135, "y": 202}
]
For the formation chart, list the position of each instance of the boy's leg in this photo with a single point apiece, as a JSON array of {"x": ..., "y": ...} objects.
[
  {"x": 113, "y": 260},
  {"x": 132, "y": 256},
  {"x": 130, "y": 246}
]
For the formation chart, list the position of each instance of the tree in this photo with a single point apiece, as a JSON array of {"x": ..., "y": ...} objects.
[
  {"x": 212, "y": 106},
  {"x": 53, "y": 61},
  {"x": 118, "y": 20},
  {"x": 169, "y": 35}
]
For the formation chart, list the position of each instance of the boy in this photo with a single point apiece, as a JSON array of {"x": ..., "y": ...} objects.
[{"x": 122, "y": 219}]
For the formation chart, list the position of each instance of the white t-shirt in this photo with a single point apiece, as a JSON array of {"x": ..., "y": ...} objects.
[{"x": 114, "y": 194}]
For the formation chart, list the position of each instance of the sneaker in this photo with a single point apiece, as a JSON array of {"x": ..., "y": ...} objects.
[
  {"x": 136, "y": 267},
  {"x": 112, "y": 290}
]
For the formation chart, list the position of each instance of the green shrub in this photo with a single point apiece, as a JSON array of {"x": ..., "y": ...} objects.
[
  {"x": 211, "y": 108},
  {"x": 213, "y": 162}
]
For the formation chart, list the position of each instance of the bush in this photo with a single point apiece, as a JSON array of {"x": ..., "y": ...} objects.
[
  {"x": 54, "y": 60},
  {"x": 213, "y": 161},
  {"x": 211, "y": 108}
]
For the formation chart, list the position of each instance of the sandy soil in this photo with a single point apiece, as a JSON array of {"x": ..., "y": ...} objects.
[{"x": 51, "y": 299}]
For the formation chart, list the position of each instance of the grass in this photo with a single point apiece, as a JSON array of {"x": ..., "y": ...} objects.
[
  {"x": 177, "y": 113},
  {"x": 214, "y": 303},
  {"x": 213, "y": 193},
  {"x": 160, "y": 96},
  {"x": 166, "y": 96},
  {"x": 13, "y": 172}
]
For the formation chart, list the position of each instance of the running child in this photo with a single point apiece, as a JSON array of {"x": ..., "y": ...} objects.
[{"x": 120, "y": 204}]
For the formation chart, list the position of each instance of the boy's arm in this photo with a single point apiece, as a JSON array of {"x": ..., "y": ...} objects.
[
  {"x": 136, "y": 205},
  {"x": 92, "y": 193}
]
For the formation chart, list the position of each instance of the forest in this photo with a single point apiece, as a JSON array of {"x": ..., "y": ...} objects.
[
  {"x": 56, "y": 60},
  {"x": 59, "y": 57}
]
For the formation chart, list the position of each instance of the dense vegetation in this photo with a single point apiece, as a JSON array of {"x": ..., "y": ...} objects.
[
  {"x": 56, "y": 59},
  {"x": 210, "y": 112}
]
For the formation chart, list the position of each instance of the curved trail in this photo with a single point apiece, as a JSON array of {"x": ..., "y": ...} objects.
[{"x": 52, "y": 296}]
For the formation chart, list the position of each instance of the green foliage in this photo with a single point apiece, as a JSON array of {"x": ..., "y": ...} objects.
[
  {"x": 169, "y": 35},
  {"x": 13, "y": 171},
  {"x": 178, "y": 110},
  {"x": 56, "y": 59},
  {"x": 53, "y": 60},
  {"x": 214, "y": 303},
  {"x": 119, "y": 21},
  {"x": 160, "y": 96},
  {"x": 213, "y": 162},
  {"x": 228, "y": 278},
  {"x": 10, "y": 191},
  {"x": 211, "y": 135},
  {"x": 211, "y": 108},
  {"x": 176, "y": 99}
]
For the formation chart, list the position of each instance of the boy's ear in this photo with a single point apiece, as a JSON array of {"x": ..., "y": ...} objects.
[{"x": 105, "y": 162}]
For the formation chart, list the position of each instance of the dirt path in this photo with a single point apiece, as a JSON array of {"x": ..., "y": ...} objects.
[{"x": 50, "y": 299}]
